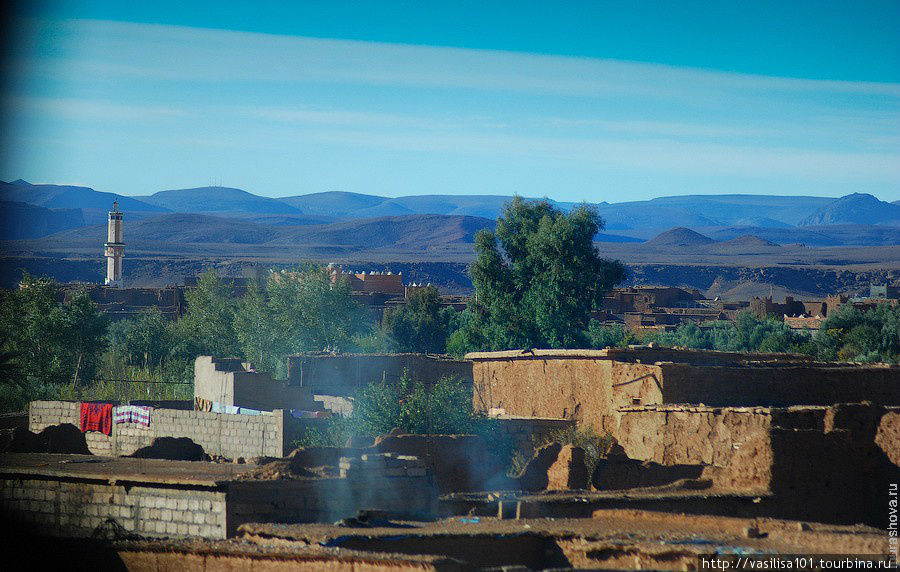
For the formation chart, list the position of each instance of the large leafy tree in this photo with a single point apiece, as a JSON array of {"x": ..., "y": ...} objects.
[
  {"x": 208, "y": 326},
  {"x": 300, "y": 310},
  {"x": 144, "y": 341},
  {"x": 422, "y": 324},
  {"x": 865, "y": 335},
  {"x": 47, "y": 341},
  {"x": 537, "y": 278}
]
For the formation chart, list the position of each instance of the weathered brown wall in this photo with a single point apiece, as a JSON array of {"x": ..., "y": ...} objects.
[
  {"x": 824, "y": 463},
  {"x": 591, "y": 386},
  {"x": 780, "y": 386},
  {"x": 343, "y": 374},
  {"x": 572, "y": 388}
]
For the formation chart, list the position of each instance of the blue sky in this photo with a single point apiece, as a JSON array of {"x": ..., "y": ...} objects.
[{"x": 573, "y": 100}]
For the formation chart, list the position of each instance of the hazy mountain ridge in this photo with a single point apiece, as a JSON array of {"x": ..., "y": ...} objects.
[
  {"x": 408, "y": 231},
  {"x": 218, "y": 200},
  {"x": 825, "y": 221},
  {"x": 21, "y": 220},
  {"x": 858, "y": 208},
  {"x": 70, "y": 197}
]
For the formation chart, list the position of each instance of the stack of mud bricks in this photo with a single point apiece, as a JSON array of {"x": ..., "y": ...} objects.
[
  {"x": 381, "y": 465},
  {"x": 63, "y": 508}
]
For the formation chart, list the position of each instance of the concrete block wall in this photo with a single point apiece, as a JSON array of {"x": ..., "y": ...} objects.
[
  {"x": 76, "y": 509},
  {"x": 43, "y": 414},
  {"x": 222, "y": 434},
  {"x": 225, "y": 381}
]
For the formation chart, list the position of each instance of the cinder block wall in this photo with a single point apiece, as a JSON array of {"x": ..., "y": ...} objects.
[
  {"x": 224, "y": 381},
  {"x": 231, "y": 436},
  {"x": 75, "y": 509}
]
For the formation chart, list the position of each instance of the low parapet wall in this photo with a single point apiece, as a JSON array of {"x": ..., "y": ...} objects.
[
  {"x": 343, "y": 374},
  {"x": 230, "y": 436}
]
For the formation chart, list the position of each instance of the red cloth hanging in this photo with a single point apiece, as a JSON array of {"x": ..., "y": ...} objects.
[{"x": 96, "y": 417}]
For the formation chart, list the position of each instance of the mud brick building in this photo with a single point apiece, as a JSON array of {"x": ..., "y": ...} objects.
[{"x": 591, "y": 386}]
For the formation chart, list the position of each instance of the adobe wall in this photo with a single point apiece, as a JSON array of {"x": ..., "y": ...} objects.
[
  {"x": 700, "y": 435},
  {"x": 343, "y": 374},
  {"x": 590, "y": 386},
  {"x": 828, "y": 463},
  {"x": 780, "y": 386},
  {"x": 231, "y": 436},
  {"x": 574, "y": 387}
]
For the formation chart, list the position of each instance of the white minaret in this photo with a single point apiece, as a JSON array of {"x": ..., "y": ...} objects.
[{"x": 115, "y": 248}]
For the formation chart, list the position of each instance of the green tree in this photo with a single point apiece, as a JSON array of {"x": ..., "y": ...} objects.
[
  {"x": 300, "y": 310},
  {"x": 444, "y": 407},
  {"x": 852, "y": 334},
  {"x": 144, "y": 341},
  {"x": 47, "y": 341},
  {"x": 83, "y": 332},
  {"x": 208, "y": 326},
  {"x": 421, "y": 324},
  {"x": 537, "y": 278},
  {"x": 602, "y": 336},
  {"x": 747, "y": 334}
]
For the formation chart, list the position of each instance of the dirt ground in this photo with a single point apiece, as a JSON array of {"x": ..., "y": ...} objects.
[{"x": 612, "y": 539}]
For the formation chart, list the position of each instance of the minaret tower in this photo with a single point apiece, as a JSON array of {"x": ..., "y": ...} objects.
[{"x": 115, "y": 248}]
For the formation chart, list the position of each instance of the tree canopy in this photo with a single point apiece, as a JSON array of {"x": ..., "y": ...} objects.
[
  {"x": 537, "y": 278},
  {"x": 422, "y": 324}
]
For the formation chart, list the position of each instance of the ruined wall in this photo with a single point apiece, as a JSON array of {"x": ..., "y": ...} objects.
[
  {"x": 74, "y": 508},
  {"x": 223, "y": 434},
  {"x": 343, "y": 374},
  {"x": 699, "y": 435},
  {"x": 525, "y": 432},
  {"x": 824, "y": 463}
]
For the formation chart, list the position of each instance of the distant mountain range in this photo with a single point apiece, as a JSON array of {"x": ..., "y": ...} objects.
[{"x": 237, "y": 215}]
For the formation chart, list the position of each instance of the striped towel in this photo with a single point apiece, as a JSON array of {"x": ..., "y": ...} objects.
[{"x": 137, "y": 414}]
